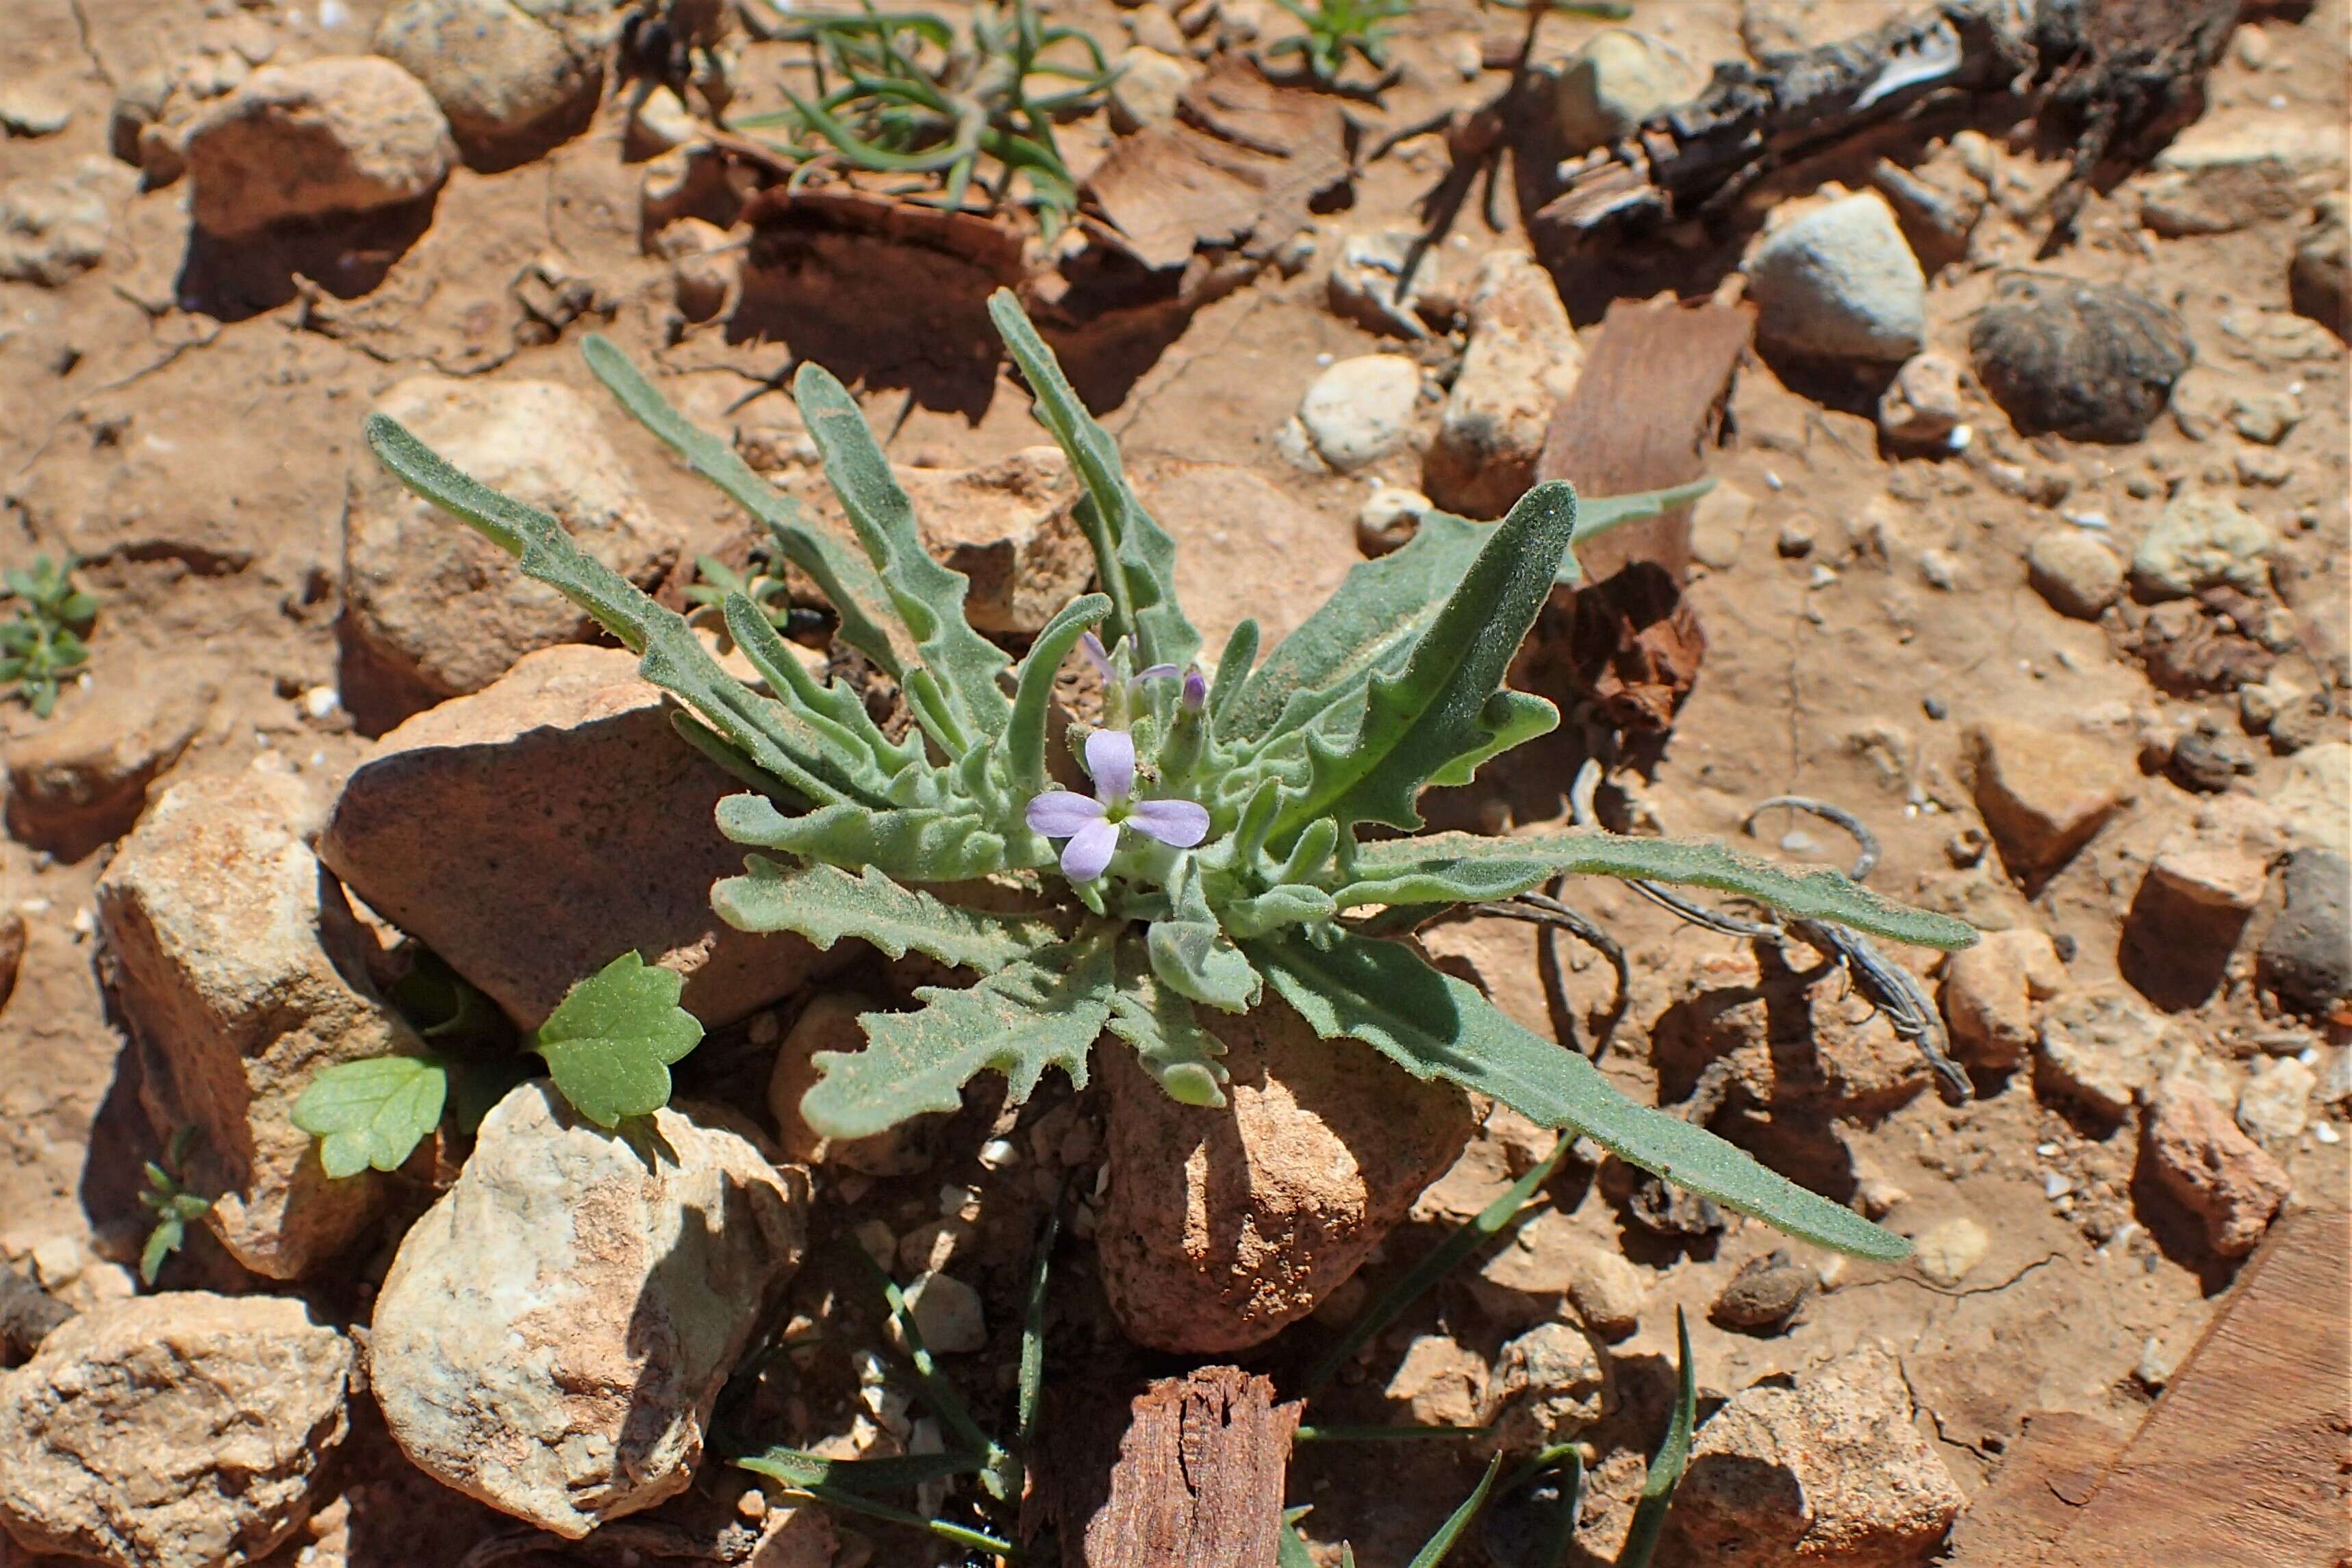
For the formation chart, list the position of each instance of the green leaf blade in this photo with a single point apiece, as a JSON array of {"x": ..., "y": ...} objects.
[
  {"x": 917, "y": 844},
  {"x": 372, "y": 1114},
  {"x": 610, "y": 1042},
  {"x": 1432, "y": 1023},
  {"x": 825, "y": 904}
]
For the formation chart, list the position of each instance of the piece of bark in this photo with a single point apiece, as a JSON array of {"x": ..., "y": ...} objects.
[
  {"x": 27, "y": 1314},
  {"x": 2112, "y": 78},
  {"x": 2033, "y": 1499},
  {"x": 1649, "y": 402},
  {"x": 1188, "y": 1474},
  {"x": 2240, "y": 1464}
]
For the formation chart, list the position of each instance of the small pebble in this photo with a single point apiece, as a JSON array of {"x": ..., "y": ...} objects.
[{"x": 1935, "y": 706}]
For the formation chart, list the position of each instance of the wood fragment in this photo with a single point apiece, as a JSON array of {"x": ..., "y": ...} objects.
[
  {"x": 1188, "y": 1474},
  {"x": 2043, "y": 1483}
]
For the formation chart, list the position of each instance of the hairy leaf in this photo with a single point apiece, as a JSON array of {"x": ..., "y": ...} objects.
[
  {"x": 1467, "y": 868},
  {"x": 1446, "y": 706},
  {"x": 1665, "y": 1471},
  {"x": 928, "y": 596},
  {"x": 371, "y": 1113},
  {"x": 775, "y": 739},
  {"x": 1596, "y": 515},
  {"x": 1136, "y": 558},
  {"x": 918, "y": 844},
  {"x": 1038, "y": 1011},
  {"x": 1025, "y": 735},
  {"x": 610, "y": 1042},
  {"x": 1191, "y": 953},
  {"x": 825, "y": 904},
  {"x": 1433, "y": 1024},
  {"x": 901, "y": 1472},
  {"x": 834, "y": 712},
  {"x": 1157, "y": 1021}
]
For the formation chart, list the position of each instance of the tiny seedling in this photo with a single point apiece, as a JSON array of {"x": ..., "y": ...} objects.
[
  {"x": 45, "y": 641},
  {"x": 906, "y": 92},
  {"x": 173, "y": 1206},
  {"x": 608, "y": 1045},
  {"x": 1339, "y": 28},
  {"x": 1217, "y": 862}
]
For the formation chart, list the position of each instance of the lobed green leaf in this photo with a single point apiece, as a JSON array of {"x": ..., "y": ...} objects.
[
  {"x": 1433, "y": 1024},
  {"x": 1467, "y": 868},
  {"x": 1159, "y": 1022},
  {"x": 825, "y": 904},
  {"x": 610, "y": 1042},
  {"x": 371, "y": 1113},
  {"x": 917, "y": 845}
]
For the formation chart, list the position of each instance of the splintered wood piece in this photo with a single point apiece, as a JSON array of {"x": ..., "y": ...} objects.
[
  {"x": 1189, "y": 1473},
  {"x": 1650, "y": 399},
  {"x": 2043, "y": 1484},
  {"x": 2242, "y": 1463}
]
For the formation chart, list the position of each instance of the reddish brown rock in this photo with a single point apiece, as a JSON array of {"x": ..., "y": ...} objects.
[
  {"x": 1989, "y": 995},
  {"x": 342, "y": 135},
  {"x": 2043, "y": 794},
  {"x": 1225, "y": 1223},
  {"x": 2217, "y": 1172},
  {"x": 83, "y": 778},
  {"x": 531, "y": 833}
]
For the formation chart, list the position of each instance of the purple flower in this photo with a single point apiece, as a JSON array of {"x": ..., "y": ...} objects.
[
  {"x": 1099, "y": 656},
  {"x": 1092, "y": 826}
]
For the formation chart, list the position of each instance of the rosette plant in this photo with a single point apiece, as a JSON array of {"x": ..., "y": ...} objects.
[{"x": 1220, "y": 857}]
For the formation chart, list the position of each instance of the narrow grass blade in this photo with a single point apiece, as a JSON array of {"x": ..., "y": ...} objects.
[
  {"x": 799, "y": 1468},
  {"x": 1440, "y": 1544},
  {"x": 1324, "y": 1432},
  {"x": 1673, "y": 1458},
  {"x": 938, "y": 1392},
  {"x": 856, "y": 1503},
  {"x": 1447, "y": 1257}
]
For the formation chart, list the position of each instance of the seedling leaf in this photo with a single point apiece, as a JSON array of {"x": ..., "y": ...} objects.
[
  {"x": 610, "y": 1042},
  {"x": 371, "y": 1113}
]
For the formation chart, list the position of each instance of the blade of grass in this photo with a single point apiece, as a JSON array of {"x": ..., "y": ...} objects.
[
  {"x": 937, "y": 1392},
  {"x": 799, "y": 1468},
  {"x": 1674, "y": 1457},
  {"x": 1326, "y": 1433},
  {"x": 1030, "y": 1390},
  {"x": 1449, "y": 1255},
  {"x": 1440, "y": 1544},
  {"x": 1290, "y": 1550},
  {"x": 854, "y": 1502}
]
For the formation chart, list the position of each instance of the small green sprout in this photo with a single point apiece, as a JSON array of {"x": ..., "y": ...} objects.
[
  {"x": 903, "y": 92},
  {"x": 173, "y": 1206},
  {"x": 45, "y": 640},
  {"x": 1337, "y": 28}
]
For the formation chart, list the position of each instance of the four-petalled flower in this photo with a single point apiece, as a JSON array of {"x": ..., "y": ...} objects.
[{"x": 1092, "y": 826}]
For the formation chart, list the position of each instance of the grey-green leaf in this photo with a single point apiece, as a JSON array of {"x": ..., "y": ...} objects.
[
  {"x": 1159, "y": 1022},
  {"x": 1135, "y": 559},
  {"x": 371, "y": 1113},
  {"x": 919, "y": 843},
  {"x": 1435, "y": 1025},
  {"x": 1025, "y": 735},
  {"x": 610, "y": 1042},
  {"x": 1446, "y": 706},
  {"x": 1596, "y": 515},
  {"x": 1191, "y": 953},
  {"x": 825, "y": 904},
  {"x": 1036, "y": 1012},
  {"x": 1467, "y": 868}
]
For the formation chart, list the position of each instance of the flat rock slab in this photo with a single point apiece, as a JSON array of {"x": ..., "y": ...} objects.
[{"x": 531, "y": 833}]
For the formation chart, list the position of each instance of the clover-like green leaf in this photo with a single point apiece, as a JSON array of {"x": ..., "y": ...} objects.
[
  {"x": 1433, "y": 1025},
  {"x": 610, "y": 1042},
  {"x": 371, "y": 1113}
]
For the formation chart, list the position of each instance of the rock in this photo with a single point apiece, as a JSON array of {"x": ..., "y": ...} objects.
[
  {"x": 2306, "y": 955},
  {"x": 434, "y": 609},
  {"x": 1221, "y": 1226},
  {"x": 1764, "y": 1295},
  {"x": 1937, "y": 207},
  {"x": 829, "y": 1023},
  {"x": 32, "y": 112},
  {"x": 1719, "y": 524},
  {"x": 2091, "y": 361},
  {"x": 1505, "y": 1147},
  {"x": 185, "y": 1430},
  {"x": 2208, "y": 759},
  {"x": 1841, "y": 283},
  {"x": 82, "y": 779},
  {"x": 2043, "y": 794},
  {"x": 1522, "y": 361},
  {"x": 2202, "y": 541},
  {"x": 1791, "y": 1043},
  {"x": 484, "y": 829},
  {"x": 1832, "y": 1471},
  {"x": 2103, "y": 1050},
  {"x": 2310, "y": 799},
  {"x": 930, "y": 1246},
  {"x": 1364, "y": 282},
  {"x": 1439, "y": 1384},
  {"x": 53, "y": 230},
  {"x": 1150, "y": 86},
  {"x": 1007, "y": 525},
  {"x": 2221, "y": 1176},
  {"x": 2319, "y": 280},
  {"x": 2275, "y": 1104},
  {"x": 1615, "y": 81},
  {"x": 511, "y": 87},
  {"x": 1389, "y": 518},
  {"x": 1548, "y": 1262},
  {"x": 1921, "y": 407},
  {"x": 2221, "y": 859},
  {"x": 1548, "y": 1385},
  {"x": 341, "y": 134},
  {"x": 241, "y": 972},
  {"x": 2076, "y": 573},
  {"x": 947, "y": 1313},
  {"x": 1659, "y": 1207},
  {"x": 555, "y": 1330},
  {"x": 1361, "y": 409},
  {"x": 1153, "y": 26},
  {"x": 1946, "y": 1252},
  {"x": 706, "y": 267},
  {"x": 2265, "y": 415},
  {"x": 1989, "y": 995},
  {"x": 2226, "y": 172}
]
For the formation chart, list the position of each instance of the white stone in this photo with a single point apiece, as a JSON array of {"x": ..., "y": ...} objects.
[
  {"x": 2275, "y": 1105},
  {"x": 1522, "y": 361},
  {"x": 948, "y": 1314},
  {"x": 338, "y": 134},
  {"x": 1946, "y": 1252},
  {"x": 1617, "y": 80},
  {"x": 1841, "y": 283},
  {"x": 1361, "y": 409},
  {"x": 509, "y": 85},
  {"x": 2315, "y": 799},
  {"x": 2202, "y": 541},
  {"x": 1150, "y": 87}
]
